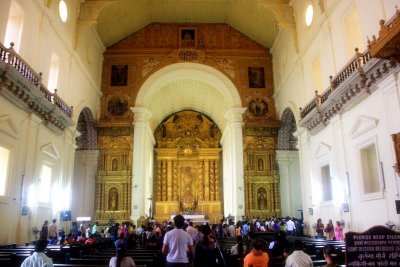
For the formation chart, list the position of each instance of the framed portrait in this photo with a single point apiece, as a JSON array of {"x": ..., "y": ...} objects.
[
  {"x": 310, "y": 211},
  {"x": 256, "y": 77},
  {"x": 119, "y": 75},
  {"x": 345, "y": 207},
  {"x": 25, "y": 210},
  {"x": 187, "y": 38}
]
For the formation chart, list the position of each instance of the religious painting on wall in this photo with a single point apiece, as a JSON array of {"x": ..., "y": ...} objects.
[
  {"x": 256, "y": 77},
  {"x": 396, "y": 144},
  {"x": 119, "y": 75},
  {"x": 187, "y": 38}
]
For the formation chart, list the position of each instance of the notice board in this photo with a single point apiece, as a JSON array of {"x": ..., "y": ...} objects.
[{"x": 378, "y": 246}]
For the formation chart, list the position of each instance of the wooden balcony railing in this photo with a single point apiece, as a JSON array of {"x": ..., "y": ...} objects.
[
  {"x": 356, "y": 64},
  {"x": 13, "y": 60}
]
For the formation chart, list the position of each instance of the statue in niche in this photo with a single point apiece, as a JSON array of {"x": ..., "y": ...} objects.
[
  {"x": 261, "y": 198},
  {"x": 114, "y": 165},
  {"x": 260, "y": 164},
  {"x": 113, "y": 199},
  {"x": 188, "y": 201}
]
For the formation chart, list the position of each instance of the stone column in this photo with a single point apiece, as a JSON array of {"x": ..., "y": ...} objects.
[
  {"x": 232, "y": 142},
  {"x": 142, "y": 166},
  {"x": 290, "y": 182}
]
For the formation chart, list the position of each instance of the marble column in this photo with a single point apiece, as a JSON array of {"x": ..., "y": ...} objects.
[
  {"x": 142, "y": 166},
  {"x": 233, "y": 180}
]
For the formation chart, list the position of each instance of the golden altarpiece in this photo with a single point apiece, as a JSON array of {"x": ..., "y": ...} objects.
[
  {"x": 114, "y": 178},
  {"x": 188, "y": 166},
  {"x": 192, "y": 158}
]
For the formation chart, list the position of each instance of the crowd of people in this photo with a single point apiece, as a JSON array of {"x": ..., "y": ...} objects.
[{"x": 182, "y": 243}]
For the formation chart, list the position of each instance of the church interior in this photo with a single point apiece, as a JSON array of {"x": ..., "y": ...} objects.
[{"x": 124, "y": 110}]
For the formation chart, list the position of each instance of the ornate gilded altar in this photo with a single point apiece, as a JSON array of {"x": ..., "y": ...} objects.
[
  {"x": 188, "y": 166},
  {"x": 113, "y": 181},
  {"x": 260, "y": 174}
]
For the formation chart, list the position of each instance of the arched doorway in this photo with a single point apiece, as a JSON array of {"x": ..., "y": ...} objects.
[
  {"x": 289, "y": 170},
  {"x": 85, "y": 166},
  {"x": 183, "y": 86}
]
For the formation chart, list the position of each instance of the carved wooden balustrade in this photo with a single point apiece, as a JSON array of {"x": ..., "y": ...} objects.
[
  {"x": 355, "y": 81},
  {"x": 25, "y": 89},
  {"x": 349, "y": 86},
  {"x": 355, "y": 64}
]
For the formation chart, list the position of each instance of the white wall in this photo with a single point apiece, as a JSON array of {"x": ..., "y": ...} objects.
[
  {"x": 335, "y": 144},
  {"x": 32, "y": 143}
]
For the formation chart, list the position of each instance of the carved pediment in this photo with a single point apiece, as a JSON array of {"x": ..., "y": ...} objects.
[
  {"x": 362, "y": 125},
  {"x": 7, "y": 125},
  {"x": 322, "y": 150},
  {"x": 51, "y": 151}
]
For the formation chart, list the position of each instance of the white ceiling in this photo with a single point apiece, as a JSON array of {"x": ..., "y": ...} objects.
[{"x": 116, "y": 19}]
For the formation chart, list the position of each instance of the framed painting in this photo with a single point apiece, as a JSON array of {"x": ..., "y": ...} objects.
[{"x": 187, "y": 38}]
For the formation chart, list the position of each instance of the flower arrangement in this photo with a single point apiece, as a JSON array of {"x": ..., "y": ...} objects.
[{"x": 188, "y": 212}]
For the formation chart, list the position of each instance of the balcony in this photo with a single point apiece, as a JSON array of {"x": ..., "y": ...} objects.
[
  {"x": 23, "y": 87},
  {"x": 356, "y": 80}
]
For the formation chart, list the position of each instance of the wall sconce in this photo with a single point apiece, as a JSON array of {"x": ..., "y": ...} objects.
[
  {"x": 135, "y": 186},
  {"x": 240, "y": 188}
]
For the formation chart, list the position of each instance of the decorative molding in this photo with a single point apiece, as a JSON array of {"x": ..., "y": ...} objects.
[
  {"x": 322, "y": 150},
  {"x": 386, "y": 46},
  {"x": 51, "y": 151},
  {"x": 362, "y": 125},
  {"x": 7, "y": 126}
]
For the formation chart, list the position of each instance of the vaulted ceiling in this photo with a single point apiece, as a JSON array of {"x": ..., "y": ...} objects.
[{"x": 114, "y": 20}]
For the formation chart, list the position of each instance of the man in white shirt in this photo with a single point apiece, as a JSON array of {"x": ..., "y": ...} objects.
[
  {"x": 290, "y": 227},
  {"x": 38, "y": 258},
  {"x": 191, "y": 230},
  {"x": 177, "y": 243},
  {"x": 298, "y": 258}
]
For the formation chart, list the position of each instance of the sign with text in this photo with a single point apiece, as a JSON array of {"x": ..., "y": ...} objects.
[{"x": 378, "y": 246}]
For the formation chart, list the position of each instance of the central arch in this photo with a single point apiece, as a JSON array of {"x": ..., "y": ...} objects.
[
  {"x": 177, "y": 87},
  {"x": 194, "y": 85}
]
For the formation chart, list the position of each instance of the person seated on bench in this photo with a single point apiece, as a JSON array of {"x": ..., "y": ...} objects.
[
  {"x": 38, "y": 258},
  {"x": 298, "y": 258},
  {"x": 331, "y": 255},
  {"x": 121, "y": 260},
  {"x": 256, "y": 257}
]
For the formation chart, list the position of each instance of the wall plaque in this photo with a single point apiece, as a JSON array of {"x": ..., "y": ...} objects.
[{"x": 378, "y": 246}]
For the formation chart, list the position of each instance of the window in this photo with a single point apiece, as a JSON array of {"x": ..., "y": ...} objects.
[
  {"x": 53, "y": 73},
  {"x": 63, "y": 10},
  {"x": 353, "y": 32},
  {"x": 326, "y": 183},
  {"x": 4, "y": 159},
  {"x": 14, "y": 26},
  {"x": 45, "y": 184},
  {"x": 369, "y": 166},
  {"x": 317, "y": 75},
  {"x": 309, "y": 14}
]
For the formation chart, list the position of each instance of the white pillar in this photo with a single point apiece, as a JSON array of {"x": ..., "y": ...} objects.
[
  {"x": 290, "y": 182},
  {"x": 306, "y": 182},
  {"x": 84, "y": 184},
  {"x": 232, "y": 142},
  {"x": 142, "y": 166}
]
